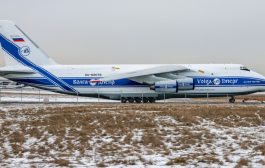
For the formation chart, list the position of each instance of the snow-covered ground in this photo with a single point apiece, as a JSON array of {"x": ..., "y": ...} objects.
[
  {"x": 118, "y": 135},
  {"x": 29, "y": 95}
]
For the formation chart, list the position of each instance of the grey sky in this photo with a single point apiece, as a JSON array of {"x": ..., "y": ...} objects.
[{"x": 144, "y": 31}]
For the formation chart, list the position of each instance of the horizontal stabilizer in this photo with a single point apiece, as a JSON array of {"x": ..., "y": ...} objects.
[{"x": 19, "y": 72}]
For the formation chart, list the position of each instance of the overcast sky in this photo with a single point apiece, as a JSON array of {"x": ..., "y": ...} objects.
[{"x": 144, "y": 31}]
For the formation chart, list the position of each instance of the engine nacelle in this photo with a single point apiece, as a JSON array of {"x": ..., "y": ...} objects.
[
  {"x": 170, "y": 86},
  {"x": 185, "y": 84},
  {"x": 173, "y": 86}
]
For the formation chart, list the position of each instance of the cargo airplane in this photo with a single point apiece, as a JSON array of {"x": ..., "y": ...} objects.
[{"x": 27, "y": 64}]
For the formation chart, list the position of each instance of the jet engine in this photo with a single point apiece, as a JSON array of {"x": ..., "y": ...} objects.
[{"x": 173, "y": 86}]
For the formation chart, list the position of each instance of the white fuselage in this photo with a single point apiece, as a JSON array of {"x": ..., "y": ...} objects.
[{"x": 209, "y": 80}]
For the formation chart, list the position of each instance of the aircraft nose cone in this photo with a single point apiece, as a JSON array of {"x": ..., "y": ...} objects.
[
  {"x": 263, "y": 78},
  {"x": 263, "y": 83}
]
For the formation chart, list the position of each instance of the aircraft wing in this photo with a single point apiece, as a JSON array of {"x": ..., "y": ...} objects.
[{"x": 151, "y": 75}]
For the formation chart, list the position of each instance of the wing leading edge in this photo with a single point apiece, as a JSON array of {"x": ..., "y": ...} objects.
[{"x": 150, "y": 75}]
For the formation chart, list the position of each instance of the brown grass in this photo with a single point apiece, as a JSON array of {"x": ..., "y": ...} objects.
[
  {"x": 35, "y": 132},
  {"x": 126, "y": 162},
  {"x": 245, "y": 144},
  {"x": 261, "y": 148},
  {"x": 226, "y": 158},
  {"x": 151, "y": 139},
  {"x": 101, "y": 164},
  {"x": 178, "y": 161},
  {"x": 62, "y": 162},
  {"x": 262, "y": 162},
  {"x": 74, "y": 127},
  {"x": 209, "y": 159},
  {"x": 242, "y": 162},
  {"x": 128, "y": 138}
]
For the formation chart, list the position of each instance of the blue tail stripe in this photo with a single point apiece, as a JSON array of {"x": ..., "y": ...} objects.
[{"x": 14, "y": 51}]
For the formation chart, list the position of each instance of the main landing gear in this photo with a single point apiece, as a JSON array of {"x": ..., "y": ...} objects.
[
  {"x": 232, "y": 100},
  {"x": 138, "y": 100}
]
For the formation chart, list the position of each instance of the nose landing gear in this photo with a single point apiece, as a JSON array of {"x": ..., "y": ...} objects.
[{"x": 232, "y": 99}]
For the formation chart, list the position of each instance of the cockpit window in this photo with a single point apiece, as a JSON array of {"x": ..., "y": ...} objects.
[{"x": 244, "y": 68}]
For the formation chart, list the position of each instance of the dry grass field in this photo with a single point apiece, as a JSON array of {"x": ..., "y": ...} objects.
[{"x": 133, "y": 135}]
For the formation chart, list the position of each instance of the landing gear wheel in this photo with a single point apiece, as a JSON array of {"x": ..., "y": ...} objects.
[
  {"x": 123, "y": 100},
  {"x": 145, "y": 100},
  {"x": 137, "y": 100},
  {"x": 131, "y": 100},
  {"x": 232, "y": 100},
  {"x": 151, "y": 100}
]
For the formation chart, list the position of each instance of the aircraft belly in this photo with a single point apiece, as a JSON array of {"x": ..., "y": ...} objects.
[
  {"x": 117, "y": 90},
  {"x": 197, "y": 90},
  {"x": 234, "y": 89}
]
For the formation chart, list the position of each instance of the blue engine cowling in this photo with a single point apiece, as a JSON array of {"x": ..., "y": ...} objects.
[{"x": 173, "y": 86}]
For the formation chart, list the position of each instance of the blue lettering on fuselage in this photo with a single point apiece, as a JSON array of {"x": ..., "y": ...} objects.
[
  {"x": 80, "y": 82},
  {"x": 87, "y": 82},
  {"x": 211, "y": 81},
  {"x": 202, "y": 81},
  {"x": 227, "y": 81}
]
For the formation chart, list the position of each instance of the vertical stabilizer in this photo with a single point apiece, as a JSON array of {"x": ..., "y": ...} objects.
[{"x": 16, "y": 43}]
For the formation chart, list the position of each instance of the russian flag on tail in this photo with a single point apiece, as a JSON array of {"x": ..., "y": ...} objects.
[{"x": 18, "y": 39}]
